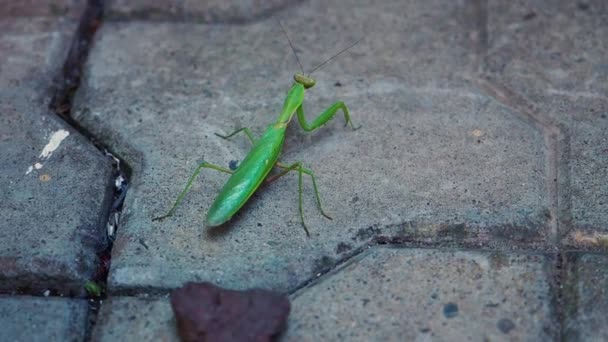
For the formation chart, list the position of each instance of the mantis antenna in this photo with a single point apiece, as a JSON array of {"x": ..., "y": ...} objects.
[
  {"x": 292, "y": 48},
  {"x": 323, "y": 63},
  {"x": 336, "y": 55}
]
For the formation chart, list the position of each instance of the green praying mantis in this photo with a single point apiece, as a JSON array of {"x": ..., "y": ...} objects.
[{"x": 264, "y": 155}]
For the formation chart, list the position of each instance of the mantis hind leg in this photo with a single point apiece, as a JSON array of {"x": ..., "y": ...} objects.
[
  {"x": 324, "y": 117},
  {"x": 246, "y": 130},
  {"x": 301, "y": 170},
  {"x": 189, "y": 185}
]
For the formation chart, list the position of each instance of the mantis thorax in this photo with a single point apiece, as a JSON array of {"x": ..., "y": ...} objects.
[{"x": 304, "y": 80}]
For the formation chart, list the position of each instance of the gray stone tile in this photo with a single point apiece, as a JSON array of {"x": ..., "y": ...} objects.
[
  {"x": 435, "y": 160},
  {"x": 200, "y": 11},
  {"x": 418, "y": 294},
  {"x": 135, "y": 319},
  {"x": 33, "y": 51},
  {"x": 41, "y": 8},
  {"x": 33, "y": 319},
  {"x": 55, "y": 184},
  {"x": 554, "y": 58},
  {"x": 586, "y": 298}
]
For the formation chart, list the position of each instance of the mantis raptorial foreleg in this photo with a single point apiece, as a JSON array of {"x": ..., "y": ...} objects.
[
  {"x": 246, "y": 130},
  {"x": 301, "y": 170},
  {"x": 189, "y": 185},
  {"x": 324, "y": 117}
]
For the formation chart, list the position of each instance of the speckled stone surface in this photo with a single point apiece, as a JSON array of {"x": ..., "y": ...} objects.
[
  {"x": 55, "y": 184},
  {"x": 419, "y": 294},
  {"x": 199, "y": 11},
  {"x": 391, "y": 294},
  {"x": 586, "y": 301},
  {"x": 42, "y": 8},
  {"x": 483, "y": 141},
  {"x": 552, "y": 60},
  {"x": 39, "y": 319},
  {"x": 436, "y": 158},
  {"x": 136, "y": 319}
]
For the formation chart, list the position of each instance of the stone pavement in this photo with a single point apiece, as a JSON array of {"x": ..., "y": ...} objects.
[{"x": 472, "y": 203}]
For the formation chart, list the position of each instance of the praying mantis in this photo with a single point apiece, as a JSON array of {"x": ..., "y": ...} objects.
[{"x": 264, "y": 155}]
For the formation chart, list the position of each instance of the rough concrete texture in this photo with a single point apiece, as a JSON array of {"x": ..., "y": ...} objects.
[
  {"x": 391, "y": 294},
  {"x": 32, "y": 52},
  {"x": 423, "y": 295},
  {"x": 54, "y": 183},
  {"x": 483, "y": 126},
  {"x": 198, "y": 11},
  {"x": 586, "y": 298},
  {"x": 436, "y": 158},
  {"x": 553, "y": 60},
  {"x": 135, "y": 319},
  {"x": 41, "y": 8},
  {"x": 152, "y": 319},
  {"x": 34, "y": 319}
]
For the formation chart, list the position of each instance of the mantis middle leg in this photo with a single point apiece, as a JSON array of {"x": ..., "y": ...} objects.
[
  {"x": 189, "y": 185},
  {"x": 244, "y": 129}
]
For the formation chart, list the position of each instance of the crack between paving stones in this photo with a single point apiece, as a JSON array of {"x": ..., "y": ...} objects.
[
  {"x": 556, "y": 144},
  {"x": 61, "y": 105},
  {"x": 560, "y": 276}
]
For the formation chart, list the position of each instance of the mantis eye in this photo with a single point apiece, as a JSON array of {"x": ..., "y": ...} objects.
[{"x": 304, "y": 80}]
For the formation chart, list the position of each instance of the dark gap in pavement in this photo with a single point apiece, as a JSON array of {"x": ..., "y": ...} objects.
[
  {"x": 61, "y": 104},
  {"x": 558, "y": 298},
  {"x": 557, "y": 147},
  {"x": 64, "y": 91}
]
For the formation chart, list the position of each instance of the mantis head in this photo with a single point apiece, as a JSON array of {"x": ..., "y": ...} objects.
[
  {"x": 304, "y": 80},
  {"x": 300, "y": 77}
]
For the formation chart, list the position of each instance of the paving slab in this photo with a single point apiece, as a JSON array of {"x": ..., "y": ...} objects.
[
  {"x": 422, "y": 295},
  {"x": 136, "y": 319},
  {"x": 56, "y": 186},
  {"x": 436, "y": 159},
  {"x": 33, "y": 319},
  {"x": 586, "y": 298},
  {"x": 199, "y": 11},
  {"x": 553, "y": 59}
]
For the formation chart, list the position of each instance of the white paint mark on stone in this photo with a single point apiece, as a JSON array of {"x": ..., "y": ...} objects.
[
  {"x": 54, "y": 142},
  {"x": 47, "y": 151}
]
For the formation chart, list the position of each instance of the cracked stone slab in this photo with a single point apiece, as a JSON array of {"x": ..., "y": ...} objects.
[
  {"x": 55, "y": 184},
  {"x": 200, "y": 11},
  {"x": 436, "y": 159},
  {"x": 553, "y": 57},
  {"x": 40, "y": 319},
  {"x": 586, "y": 298},
  {"x": 392, "y": 294},
  {"x": 135, "y": 319}
]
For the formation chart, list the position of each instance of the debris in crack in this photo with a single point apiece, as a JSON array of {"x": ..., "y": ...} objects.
[
  {"x": 120, "y": 191},
  {"x": 205, "y": 312}
]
